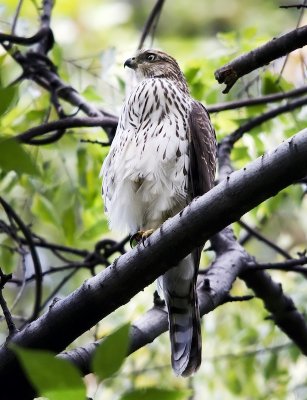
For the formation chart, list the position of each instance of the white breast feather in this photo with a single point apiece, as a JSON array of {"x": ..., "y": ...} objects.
[{"x": 145, "y": 172}]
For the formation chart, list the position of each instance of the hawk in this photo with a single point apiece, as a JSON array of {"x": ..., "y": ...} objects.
[{"x": 163, "y": 155}]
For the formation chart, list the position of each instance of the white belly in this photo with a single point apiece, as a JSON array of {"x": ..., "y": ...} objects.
[{"x": 145, "y": 175}]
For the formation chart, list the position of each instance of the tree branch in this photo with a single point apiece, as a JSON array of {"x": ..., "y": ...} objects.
[
  {"x": 65, "y": 123},
  {"x": 35, "y": 258},
  {"x": 282, "y": 308},
  {"x": 261, "y": 56},
  {"x": 271, "y": 98},
  {"x": 294, "y": 265},
  {"x": 265, "y": 240},
  {"x": 227, "y": 143},
  {"x": 6, "y": 312}
]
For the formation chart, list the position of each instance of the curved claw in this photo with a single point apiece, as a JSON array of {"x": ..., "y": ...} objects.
[
  {"x": 135, "y": 239},
  {"x": 139, "y": 236}
]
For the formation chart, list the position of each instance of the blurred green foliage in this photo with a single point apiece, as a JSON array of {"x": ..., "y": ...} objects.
[{"x": 56, "y": 188}]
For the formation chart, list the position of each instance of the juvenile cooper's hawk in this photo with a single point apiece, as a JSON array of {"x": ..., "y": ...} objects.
[{"x": 162, "y": 156}]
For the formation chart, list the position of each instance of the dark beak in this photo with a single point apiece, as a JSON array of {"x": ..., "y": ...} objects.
[{"x": 130, "y": 63}]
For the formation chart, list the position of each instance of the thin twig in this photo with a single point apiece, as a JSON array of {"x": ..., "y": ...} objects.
[
  {"x": 151, "y": 22},
  {"x": 260, "y": 119},
  {"x": 293, "y": 265},
  {"x": 263, "y": 239},
  {"x": 230, "y": 299},
  {"x": 231, "y": 105},
  {"x": 298, "y": 6},
  {"x": 35, "y": 258},
  {"x": 6, "y": 312},
  {"x": 103, "y": 144},
  {"x": 287, "y": 56},
  {"x": 57, "y": 288},
  {"x": 16, "y": 16},
  {"x": 65, "y": 123}
]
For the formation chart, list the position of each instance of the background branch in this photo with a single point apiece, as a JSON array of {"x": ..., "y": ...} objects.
[
  {"x": 151, "y": 23},
  {"x": 261, "y": 56}
]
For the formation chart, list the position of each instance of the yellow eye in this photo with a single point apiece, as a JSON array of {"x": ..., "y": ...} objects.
[{"x": 151, "y": 57}]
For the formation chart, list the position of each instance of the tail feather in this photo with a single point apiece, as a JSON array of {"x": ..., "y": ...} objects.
[{"x": 179, "y": 289}]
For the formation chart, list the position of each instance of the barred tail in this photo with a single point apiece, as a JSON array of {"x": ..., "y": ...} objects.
[{"x": 179, "y": 289}]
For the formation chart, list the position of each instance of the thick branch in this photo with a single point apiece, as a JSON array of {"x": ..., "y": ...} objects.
[
  {"x": 104, "y": 293},
  {"x": 263, "y": 55}
]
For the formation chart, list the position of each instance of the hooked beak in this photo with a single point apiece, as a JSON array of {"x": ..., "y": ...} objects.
[{"x": 130, "y": 63}]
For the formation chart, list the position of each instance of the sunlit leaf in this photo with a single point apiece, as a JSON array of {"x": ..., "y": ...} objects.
[
  {"x": 90, "y": 93},
  {"x": 95, "y": 230},
  {"x": 111, "y": 353},
  {"x": 69, "y": 222},
  {"x": 53, "y": 378},
  {"x": 8, "y": 97},
  {"x": 14, "y": 157},
  {"x": 44, "y": 209}
]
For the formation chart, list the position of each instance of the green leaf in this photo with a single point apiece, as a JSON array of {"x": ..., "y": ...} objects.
[
  {"x": 155, "y": 393},
  {"x": 14, "y": 157},
  {"x": 111, "y": 353},
  {"x": 8, "y": 97},
  {"x": 94, "y": 231},
  {"x": 52, "y": 377},
  {"x": 44, "y": 209},
  {"x": 272, "y": 366},
  {"x": 90, "y": 93},
  {"x": 82, "y": 159},
  {"x": 69, "y": 222}
]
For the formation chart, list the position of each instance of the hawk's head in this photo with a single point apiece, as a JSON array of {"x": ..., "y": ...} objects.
[{"x": 156, "y": 64}]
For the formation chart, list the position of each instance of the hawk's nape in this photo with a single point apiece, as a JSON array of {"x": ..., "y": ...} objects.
[{"x": 163, "y": 155}]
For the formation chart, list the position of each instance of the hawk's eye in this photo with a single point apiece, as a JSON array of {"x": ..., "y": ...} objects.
[{"x": 150, "y": 57}]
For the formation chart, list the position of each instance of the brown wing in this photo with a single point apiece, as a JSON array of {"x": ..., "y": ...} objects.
[{"x": 202, "y": 151}]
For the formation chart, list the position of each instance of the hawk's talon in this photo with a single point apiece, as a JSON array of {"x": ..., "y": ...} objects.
[
  {"x": 139, "y": 236},
  {"x": 135, "y": 239}
]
